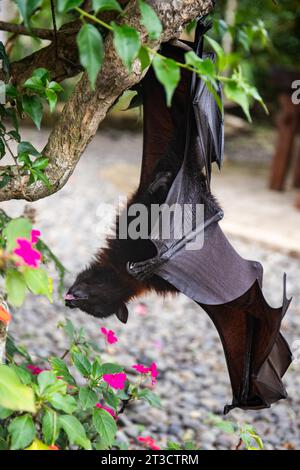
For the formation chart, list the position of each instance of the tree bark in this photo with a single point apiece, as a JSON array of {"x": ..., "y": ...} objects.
[{"x": 86, "y": 109}]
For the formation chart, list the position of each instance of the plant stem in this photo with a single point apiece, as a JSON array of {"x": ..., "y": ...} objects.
[{"x": 93, "y": 18}]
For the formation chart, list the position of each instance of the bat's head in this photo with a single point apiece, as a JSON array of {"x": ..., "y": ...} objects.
[{"x": 99, "y": 291}]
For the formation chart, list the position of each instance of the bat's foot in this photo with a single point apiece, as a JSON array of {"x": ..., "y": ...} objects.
[
  {"x": 143, "y": 270},
  {"x": 161, "y": 181}
]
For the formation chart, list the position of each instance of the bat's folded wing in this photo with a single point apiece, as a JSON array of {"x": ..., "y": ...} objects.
[{"x": 229, "y": 288}]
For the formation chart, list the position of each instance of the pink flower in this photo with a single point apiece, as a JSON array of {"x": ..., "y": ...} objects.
[
  {"x": 154, "y": 372},
  {"x": 30, "y": 256},
  {"x": 35, "y": 234},
  {"x": 142, "y": 369},
  {"x": 109, "y": 335},
  {"x": 116, "y": 381},
  {"x": 141, "y": 309},
  {"x": 149, "y": 442},
  {"x": 34, "y": 369},
  {"x": 106, "y": 408}
]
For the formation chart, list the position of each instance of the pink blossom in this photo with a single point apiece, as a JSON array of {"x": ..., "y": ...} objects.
[
  {"x": 30, "y": 256},
  {"x": 141, "y": 309},
  {"x": 35, "y": 234},
  {"x": 106, "y": 408},
  {"x": 154, "y": 372},
  {"x": 110, "y": 335},
  {"x": 149, "y": 442},
  {"x": 34, "y": 369},
  {"x": 142, "y": 369},
  {"x": 116, "y": 381}
]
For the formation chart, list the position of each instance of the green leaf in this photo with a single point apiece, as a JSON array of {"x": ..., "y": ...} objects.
[
  {"x": 87, "y": 398},
  {"x": 40, "y": 163},
  {"x": 144, "y": 58},
  {"x": 11, "y": 91},
  {"x": 168, "y": 74},
  {"x": 45, "y": 380},
  {"x": 15, "y": 287},
  {"x": 105, "y": 425},
  {"x": 82, "y": 364},
  {"x": 5, "y": 180},
  {"x": 236, "y": 93},
  {"x": 219, "y": 51},
  {"x": 42, "y": 74},
  {"x": 23, "y": 373},
  {"x": 66, "y": 5},
  {"x": 15, "y": 135},
  {"x": 49, "y": 384},
  {"x": 66, "y": 403},
  {"x": 150, "y": 20},
  {"x": 27, "y": 7},
  {"x": 34, "y": 84},
  {"x": 5, "y": 412},
  {"x": 205, "y": 67},
  {"x": 37, "y": 174},
  {"x": 150, "y": 398},
  {"x": 2, "y": 148},
  {"x": 105, "y": 5},
  {"x": 127, "y": 43},
  {"x": 5, "y": 60},
  {"x": 55, "y": 87},
  {"x": 22, "y": 432},
  {"x": 111, "y": 399},
  {"x": 110, "y": 368},
  {"x": 50, "y": 426},
  {"x": 96, "y": 370},
  {"x": 75, "y": 431},
  {"x": 60, "y": 369},
  {"x": 173, "y": 446},
  {"x": 91, "y": 51},
  {"x": 3, "y": 444},
  {"x": 32, "y": 105},
  {"x": 27, "y": 147},
  {"x": 52, "y": 98},
  {"x": 17, "y": 228},
  {"x": 37, "y": 281}
]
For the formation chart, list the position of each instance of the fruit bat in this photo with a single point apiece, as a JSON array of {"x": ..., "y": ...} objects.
[{"x": 180, "y": 144}]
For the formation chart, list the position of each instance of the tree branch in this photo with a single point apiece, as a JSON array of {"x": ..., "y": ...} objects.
[
  {"x": 86, "y": 109},
  {"x": 21, "y": 29}
]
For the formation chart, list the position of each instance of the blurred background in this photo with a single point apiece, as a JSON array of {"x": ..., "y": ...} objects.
[{"x": 259, "y": 190}]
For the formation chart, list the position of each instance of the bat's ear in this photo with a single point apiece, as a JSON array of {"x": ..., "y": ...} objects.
[{"x": 122, "y": 313}]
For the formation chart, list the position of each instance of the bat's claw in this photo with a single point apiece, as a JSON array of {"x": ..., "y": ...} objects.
[
  {"x": 143, "y": 270},
  {"x": 161, "y": 181}
]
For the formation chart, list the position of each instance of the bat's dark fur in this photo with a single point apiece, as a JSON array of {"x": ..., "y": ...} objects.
[{"x": 105, "y": 286}]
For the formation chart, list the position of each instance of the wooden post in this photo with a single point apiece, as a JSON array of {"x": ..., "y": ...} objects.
[{"x": 287, "y": 128}]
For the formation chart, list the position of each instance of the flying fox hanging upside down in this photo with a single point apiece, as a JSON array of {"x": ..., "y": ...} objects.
[{"x": 180, "y": 145}]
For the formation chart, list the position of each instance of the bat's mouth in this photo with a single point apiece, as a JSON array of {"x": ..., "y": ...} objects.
[{"x": 72, "y": 300}]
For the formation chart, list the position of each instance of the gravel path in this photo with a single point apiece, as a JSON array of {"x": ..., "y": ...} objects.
[{"x": 175, "y": 333}]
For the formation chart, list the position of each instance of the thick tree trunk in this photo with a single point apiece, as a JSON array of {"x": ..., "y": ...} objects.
[{"x": 86, "y": 109}]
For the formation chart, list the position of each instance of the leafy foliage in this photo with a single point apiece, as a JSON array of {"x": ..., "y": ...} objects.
[
  {"x": 91, "y": 51},
  {"x": 21, "y": 278},
  {"x": 69, "y": 395}
]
